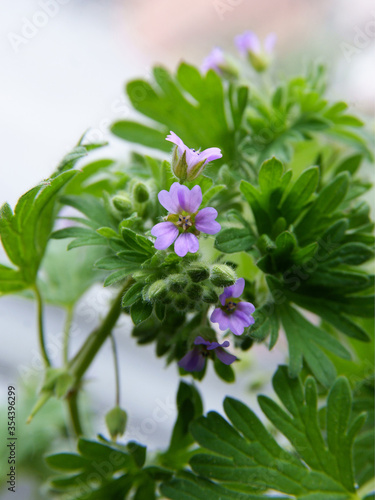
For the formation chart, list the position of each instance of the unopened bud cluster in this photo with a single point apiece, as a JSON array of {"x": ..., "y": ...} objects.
[{"x": 187, "y": 289}]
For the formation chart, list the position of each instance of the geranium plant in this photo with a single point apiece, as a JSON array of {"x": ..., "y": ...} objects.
[{"x": 254, "y": 223}]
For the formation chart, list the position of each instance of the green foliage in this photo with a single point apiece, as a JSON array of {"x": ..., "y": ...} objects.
[
  {"x": 202, "y": 124},
  {"x": 104, "y": 469},
  {"x": 244, "y": 457},
  {"x": 308, "y": 246},
  {"x": 25, "y": 232}
]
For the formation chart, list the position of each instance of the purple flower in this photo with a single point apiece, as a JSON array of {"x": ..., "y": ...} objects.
[
  {"x": 233, "y": 314},
  {"x": 195, "y": 359},
  {"x": 215, "y": 60},
  {"x": 187, "y": 163},
  {"x": 184, "y": 221},
  {"x": 248, "y": 44}
]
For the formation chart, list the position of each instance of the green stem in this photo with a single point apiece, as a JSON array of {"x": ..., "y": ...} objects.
[
  {"x": 41, "y": 327},
  {"x": 68, "y": 323},
  {"x": 74, "y": 412},
  {"x": 80, "y": 363},
  {"x": 117, "y": 371}
]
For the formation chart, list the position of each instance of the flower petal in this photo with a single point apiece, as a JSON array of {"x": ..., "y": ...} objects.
[
  {"x": 186, "y": 242},
  {"x": 219, "y": 316},
  {"x": 210, "y": 154},
  {"x": 225, "y": 295},
  {"x": 247, "y": 307},
  {"x": 205, "y": 221},
  {"x": 224, "y": 356},
  {"x": 238, "y": 288},
  {"x": 172, "y": 137},
  {"x": 269, "y": 42},
  {"x": 200, "y": 340},
  {"x": 236, "y": 324},
  {"x": 213, "y": 60},
  {"x": 190, "y": 200},
  {"x": 245, "y": 318},
  {"x": 192, "y": 158},
  {"x": 248, "y": 41},
  {"x": 193, "y": 361},
  {"x": 169, "y": 200},
  {"x": 166, "y": 233},
  {"x": 234, "y": 291}
]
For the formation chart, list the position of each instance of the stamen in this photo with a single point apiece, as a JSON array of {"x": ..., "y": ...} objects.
[
  {"x": 230, "y": 305},
  {"x": 184, "y": 221}
]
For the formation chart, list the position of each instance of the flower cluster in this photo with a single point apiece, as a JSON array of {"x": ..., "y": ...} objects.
[
  {"x": 182, "y": 226},
  {"x": 234, "y": 315},
  {"x": 248, "y": 44}
]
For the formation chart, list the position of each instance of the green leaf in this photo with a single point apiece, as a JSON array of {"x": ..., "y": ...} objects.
[
  {"x": 225, "y": 372},
  {"x": 189, "y": 406},
  {"x": 140, "y": 311},
  {"x": 141, "y": 134},
  {"x": 305, "y": 341},
  {"x": 243, "y": 455},
  {"x": 350, "y": 164},
  {"x": 25, "y": 233},
  {"x": 300, "y": 194},
  {"x": 190, "y": 104},
  {"x": 234, "y": 240},
  {"x": 270, "y": 175},
  {"x": 116, "y": 277},
  {"x": 261, "y": 216},
  {"x": 67, "y": 461},
  {"x": 328, "y": 200},
  {"x": 132, "y": 295}
]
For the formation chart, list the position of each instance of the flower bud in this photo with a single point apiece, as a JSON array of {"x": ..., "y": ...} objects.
[
  {"x": 116, "y": 422},
  {"x": 259, "y": 62},
  {"x": 122, "y": 203},
  {"x": 180, "y": 301},
  {"x": 140, "y": 193},
  {"x": 222, "y": 275},
  {"x": 198, "y": 272},
  {"x": 210, "y": 296},
  {"x": 194, "y": 291},
  {"x": 157, "y": 291},
  {"x": 177, "y": 282},
  {"x": 179, "y": 165}
]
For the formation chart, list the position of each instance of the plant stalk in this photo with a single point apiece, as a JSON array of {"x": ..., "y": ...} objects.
[
  {"x": 80, "y": 363},
  {"x": 42, "y": 343}
]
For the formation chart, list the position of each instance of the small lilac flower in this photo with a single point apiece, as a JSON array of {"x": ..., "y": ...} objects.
[
  {"x": 220, "y": 63},
  {"x": 233, "y": 313},
  {"x": 184, "y": 221},
  {"x": 195, "y": 359},
  {"x": 248, "y": 44},
  {"x": 188, "y": 164},
  {"x": 215, "y": 60}
]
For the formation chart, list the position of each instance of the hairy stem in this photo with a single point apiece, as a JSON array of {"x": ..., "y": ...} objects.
[
  {"x": 67, "y": 326},
  {"x": 80, "y": 363},
  {"x": 72, "y": 400},
  {"x": 41, "y": 327},
  {"x": 117, "y": 371}
]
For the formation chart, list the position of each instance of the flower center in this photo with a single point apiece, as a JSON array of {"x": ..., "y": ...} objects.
[
  {"x": 184, "y": 221},
  {"x": 229, "y": 306}
]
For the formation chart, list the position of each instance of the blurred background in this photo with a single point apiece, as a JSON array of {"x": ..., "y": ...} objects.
[{"x": 63, "y": 68}]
